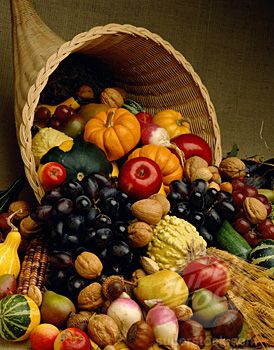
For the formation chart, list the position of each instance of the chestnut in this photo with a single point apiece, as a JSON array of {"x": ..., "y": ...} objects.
[
  {"x": 192, "y": 331},
  {"x": 140, "y": 336},
  {"x": 227, "y": 325}
]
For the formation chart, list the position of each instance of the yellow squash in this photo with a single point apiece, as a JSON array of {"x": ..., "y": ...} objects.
[{"x": 173, "y": 122}]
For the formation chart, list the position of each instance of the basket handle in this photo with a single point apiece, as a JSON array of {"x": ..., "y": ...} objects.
[{"x": 33, "y": 43}]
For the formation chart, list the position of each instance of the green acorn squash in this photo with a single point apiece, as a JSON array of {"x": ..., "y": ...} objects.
[
  {"x": 80, "y": 158},
  {"x": 18, "y": 316},
  {"x": 263, "y": 254}
]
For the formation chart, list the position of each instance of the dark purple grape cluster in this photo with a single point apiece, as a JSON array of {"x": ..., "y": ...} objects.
[
  {"x": 88, "y": 215},
  {"x": 205, "y": 208}
]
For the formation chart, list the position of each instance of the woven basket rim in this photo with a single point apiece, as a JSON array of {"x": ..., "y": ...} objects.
[{"x": 75, "y": 45}]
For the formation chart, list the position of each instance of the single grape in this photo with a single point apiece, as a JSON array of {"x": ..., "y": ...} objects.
[
  {"x": 224, "y": 196},
  {"x": 102, "y": 180},
  {"x": 242, "y": 225},
  {"x": 74, "y": 285},
  {"x": 63, "y": 112},
  {"x": 179, "y": 186},
  {"x": 102, "y": 238},
  {"x": 207, "y": 236},
  {"x": 51, "y": 196},
  {"x": 198, "y": 185},
  {"x": 210, "y": 197},
  {"x": 125, "y": 212},
  {"x": 90, "y": 186},
  {"x": 252, "y": 238},
  {"x": 90, "y": 216},
  {"x": 70, "y": 242},
  {"x": 122, "y": 198},
  {"x": 72, "y": 189},
  {"x": 55, "y": 123},
  {"x": 250, "y": 191},
  {"x": 102, "y": 220},
  {"x": 238, "y": 197},
  {"x": 268, "y": 208},
  {"x": 119, "y": 249},
  {"x": 82, "y": 204},
  {"x": 110, "y": 206},
  {"x": 266, "y": 229},
  {"x": 174, "y": 198},
  {"x": 213, "y": 221},
  {"x": 181, "y": 210},
  {"x": 42, "y": 212},
  {"x": 227, "y": 210},
  {"x": 262, "y": 198},
  {"x": 196, "y": 218},
  {"x": 237, "y": 185},
  {"x": 75, "y": 222},
  {"x": 64, "y": 206},
  {"x": 42, "y": 114},
  {"x": 107, "y": 192},
  {"x": 197, "y": 200},
  {"x": 119, "y": 229}
]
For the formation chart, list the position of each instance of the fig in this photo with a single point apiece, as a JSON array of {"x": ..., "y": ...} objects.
[
  {"x": 8, "y": 285},
  {"x": 227, "y": 325}
]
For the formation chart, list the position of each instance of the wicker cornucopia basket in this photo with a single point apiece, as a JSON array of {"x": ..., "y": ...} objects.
[{"x": 147, "y": 67}]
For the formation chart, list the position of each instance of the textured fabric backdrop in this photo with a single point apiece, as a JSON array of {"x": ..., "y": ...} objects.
[{"x": 230, "y": 44}]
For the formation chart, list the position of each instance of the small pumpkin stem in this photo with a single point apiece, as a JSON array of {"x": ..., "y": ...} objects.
[
  {"x": 109, "y": 119},
  {"x": 14, "y": 228},
  {"x": 80, "y": 176}
]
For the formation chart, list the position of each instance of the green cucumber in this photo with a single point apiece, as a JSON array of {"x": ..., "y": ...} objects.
[
  {"x": 133, "y": 106},
  {"x": 230, "y": 240}
]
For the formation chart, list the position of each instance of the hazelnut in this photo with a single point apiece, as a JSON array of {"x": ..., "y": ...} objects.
[
  {"x": 148, "y": 210},
  {"x": 91, "y": 297},
  {"x": 113, "y": 287},
  {"x": 103, "y": 330},
  {"x": 140, "y": 336},
  {"x": 150, "y": 266},
  {"x": 183, "y": 312},
  {"x": 255, "y": 210},
  {"x": 88, "y": 265},
  {"x": 139, "y": 234},
  {"x": 163, "y": 201}
]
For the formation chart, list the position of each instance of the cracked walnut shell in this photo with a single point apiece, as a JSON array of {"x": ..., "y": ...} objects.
[
  {"x": 139, "y": 234},
  {"x": 255, "y": 210}
]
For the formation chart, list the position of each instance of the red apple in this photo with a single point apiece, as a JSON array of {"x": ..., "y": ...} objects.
[
  {"x": 43, "y": 336},
  {"x": 140, "y": 177},
  {"x": 51, "y": 175},
  {"x": 209, "y": 273},
  {"x": 193, "y": 145},
  {"x": 72, "y": 339}
]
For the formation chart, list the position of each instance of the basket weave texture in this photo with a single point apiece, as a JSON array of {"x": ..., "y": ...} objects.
[{"x": 146, "y": 66}]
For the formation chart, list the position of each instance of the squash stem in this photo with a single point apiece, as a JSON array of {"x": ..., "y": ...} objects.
[
  {"x": 14, "y": 228},
  {"x": 109, "y": 119}
]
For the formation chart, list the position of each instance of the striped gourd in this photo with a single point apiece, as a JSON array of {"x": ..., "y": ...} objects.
[
  {"x": 263, "y": 254},
  {"x": 18, "y": 316}
]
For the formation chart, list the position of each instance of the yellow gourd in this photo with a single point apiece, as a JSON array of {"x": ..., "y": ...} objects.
[{"x": 9, "y": 259}]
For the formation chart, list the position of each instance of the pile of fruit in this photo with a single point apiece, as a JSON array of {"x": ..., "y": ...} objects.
[{"x": 117, "y": 254}]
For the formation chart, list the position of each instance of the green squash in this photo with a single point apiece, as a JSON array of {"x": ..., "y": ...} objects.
[
  {"x": 263, "y": 254},
  {"x": 82, "y": 159}
]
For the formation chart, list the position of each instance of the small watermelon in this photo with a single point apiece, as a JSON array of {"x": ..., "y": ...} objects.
[
  {"x": 18, "y": 316},
  {"x": 263, "y": 254}
]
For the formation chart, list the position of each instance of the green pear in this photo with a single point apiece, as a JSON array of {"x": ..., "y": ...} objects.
[
  {"x": 165, "y": 285},
  {"x": 206, "y": 306},
  {"x": 56, "y": 308}
]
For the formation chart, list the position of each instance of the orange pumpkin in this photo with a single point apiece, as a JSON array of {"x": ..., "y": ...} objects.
[
  {"x": 173, "y": 122},
  {"x": 116, "y": 131},
  {"x": 168, "y": 162}
]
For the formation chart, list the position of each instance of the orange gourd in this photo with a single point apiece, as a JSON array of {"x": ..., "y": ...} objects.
[
  {"x": 168, "y": 162},
  {"x": 116, "y": 131},
  {"x": 173, "y": 122}
]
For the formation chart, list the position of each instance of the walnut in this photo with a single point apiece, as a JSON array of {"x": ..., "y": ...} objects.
[
  {"x": 202, "y": 173},
  {"x": 148, "y": 210},
  {"x": 139, "y": 234},
  {"x": 192, "y": 164},
  {"x": 21, "y": 205},
  {"x": 183, "y": 312},
  {"x": 163, "y": 201},
  {"x": 90, "y": 297},
  {"x": 150, "y": 266},
  {"x": 103, "y": 330},
  {"x": 112, "y": 97},
  {"x": 232, "y": 167},
  {"x": 29, "y": 227},
  {"x": 255, "y": 210},
  {"x": 88, "y": 265}
]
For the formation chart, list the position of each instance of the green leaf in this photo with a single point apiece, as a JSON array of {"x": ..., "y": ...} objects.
[{"x": 234, "y": 151}]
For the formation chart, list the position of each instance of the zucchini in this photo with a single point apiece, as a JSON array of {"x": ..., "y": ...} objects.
[
  {"x": 263, "y": 254},
  {"x": 133, "y": 106},
  {"x": 10, "y": 194},
  {"x": 230, "y": 240}
]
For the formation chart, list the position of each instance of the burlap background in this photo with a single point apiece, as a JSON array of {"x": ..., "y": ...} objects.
[{"x": 230, "y": 44}]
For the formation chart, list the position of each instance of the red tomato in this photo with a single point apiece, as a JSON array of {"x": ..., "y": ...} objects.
[
  {"x": 72, "y": 339},
  {"x": 144, "y": 118},
  {"x": 209, "y": 273},
  {"x": 193, "y": 145},
  {"x": 51, "y": 175},
  {"x": 140, "y": 177}
]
